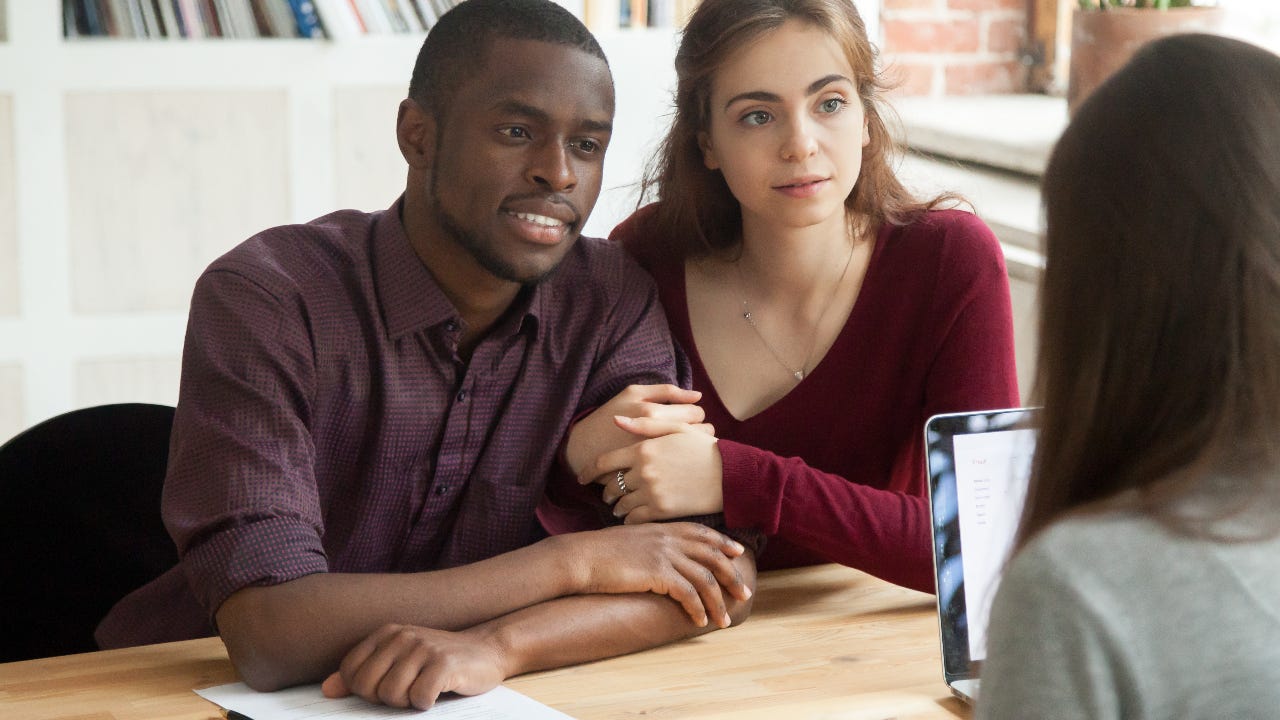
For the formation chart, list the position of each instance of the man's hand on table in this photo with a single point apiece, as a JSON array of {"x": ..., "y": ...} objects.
[{"x": 410, "y": 666}]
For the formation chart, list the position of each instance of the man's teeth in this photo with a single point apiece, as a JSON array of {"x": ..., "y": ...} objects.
[{"x": 539, "y": 219}]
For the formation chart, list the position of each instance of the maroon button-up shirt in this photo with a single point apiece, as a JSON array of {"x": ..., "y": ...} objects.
[{"x": 327, "y": 423}]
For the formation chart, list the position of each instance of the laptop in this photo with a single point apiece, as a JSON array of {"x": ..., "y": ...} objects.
[{"x": 978, "y": 464}]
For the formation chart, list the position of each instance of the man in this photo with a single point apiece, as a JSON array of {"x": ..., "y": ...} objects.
[{"x": 371, "y": 404}]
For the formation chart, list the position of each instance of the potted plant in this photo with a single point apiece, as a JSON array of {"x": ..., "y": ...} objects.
[{"x": 1105, "y": 34}]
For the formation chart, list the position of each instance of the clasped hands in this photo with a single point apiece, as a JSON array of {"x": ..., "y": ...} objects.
[{"x": 657, "y": 438}]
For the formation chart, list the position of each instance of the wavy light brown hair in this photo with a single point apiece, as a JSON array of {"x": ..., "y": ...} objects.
[
  {"x": 1159, "y": 364},
  {"x": 697, "y": 213}
]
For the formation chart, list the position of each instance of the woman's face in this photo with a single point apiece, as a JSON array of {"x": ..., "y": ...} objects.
[{"x": 787, "y": 127}]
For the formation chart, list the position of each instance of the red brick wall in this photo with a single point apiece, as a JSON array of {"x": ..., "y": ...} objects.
[{"x": 954, "y": 47}]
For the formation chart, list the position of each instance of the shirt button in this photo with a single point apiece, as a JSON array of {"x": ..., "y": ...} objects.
[
  {"x": 442, "y": 489},
  {"x": 462, "y": 396}
]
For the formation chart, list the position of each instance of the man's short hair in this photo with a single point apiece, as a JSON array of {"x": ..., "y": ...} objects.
[{"x": 458, "y": 44}]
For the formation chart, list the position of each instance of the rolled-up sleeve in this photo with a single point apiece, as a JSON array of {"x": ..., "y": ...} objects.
[{"x": 240, "y": 498}]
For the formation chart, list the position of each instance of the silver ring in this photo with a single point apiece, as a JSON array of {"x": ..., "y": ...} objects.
[{"x": 622, "y": 484}]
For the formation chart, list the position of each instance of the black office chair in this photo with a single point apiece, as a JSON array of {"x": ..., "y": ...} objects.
[{"x": 80, "y": 524}]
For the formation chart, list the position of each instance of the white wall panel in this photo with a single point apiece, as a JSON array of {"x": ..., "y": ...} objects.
[
  {"x": 12, "y": 420},
  {"x": 369, "y": 172},
  {"x": 127, "y": 379},
  {"x": 9, "y": 287},
  {"x": 161, "y": 183}
]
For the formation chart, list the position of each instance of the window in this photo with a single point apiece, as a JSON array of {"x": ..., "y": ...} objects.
[{"x": 1257, "y": 21}]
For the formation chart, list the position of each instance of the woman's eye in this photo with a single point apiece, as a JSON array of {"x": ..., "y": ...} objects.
[
  {"x": 758, "y": 117},
  {"x": 832, "y": 105}
]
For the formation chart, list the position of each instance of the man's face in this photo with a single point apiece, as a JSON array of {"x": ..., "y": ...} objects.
[{"x": 519, "y": 155}]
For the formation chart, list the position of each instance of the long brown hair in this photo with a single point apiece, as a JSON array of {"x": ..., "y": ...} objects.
[
  {"x": 1159, "y": 355},
  {"x": 697, "y": 213}
]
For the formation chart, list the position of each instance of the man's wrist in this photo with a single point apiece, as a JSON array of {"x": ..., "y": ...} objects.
[
  {"x": 495, "y": 638},
  {"x": 570, "y": 450},
  {"x": 569, "y": 573}
]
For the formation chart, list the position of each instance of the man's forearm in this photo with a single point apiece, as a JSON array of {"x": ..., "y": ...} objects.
[
  {"x": 298, "y": 631},
  {"x": 573, "y": 630}
]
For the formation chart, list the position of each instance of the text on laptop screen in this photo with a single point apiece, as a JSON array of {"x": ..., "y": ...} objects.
[{"x": 991, "y": 481}]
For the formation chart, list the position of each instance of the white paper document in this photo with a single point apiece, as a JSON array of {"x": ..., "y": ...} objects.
[{"x": 305, "y": 702}]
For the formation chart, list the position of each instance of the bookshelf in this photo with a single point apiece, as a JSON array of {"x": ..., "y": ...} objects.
[
  {"x": 318, "y": 19},
  {"x": 126, "y": 166}
]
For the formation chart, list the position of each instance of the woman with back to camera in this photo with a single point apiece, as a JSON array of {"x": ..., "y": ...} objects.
[
  {"x": 825, "y": 311},
  {"x": 1144, "y": 582}
]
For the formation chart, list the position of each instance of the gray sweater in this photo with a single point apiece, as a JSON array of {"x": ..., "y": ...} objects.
[{"x": 1113, "y": 616}]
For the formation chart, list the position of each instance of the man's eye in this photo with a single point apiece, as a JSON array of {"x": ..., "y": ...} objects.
[
  {"x": 515, "y": 132},
  {"x": 587, "y": 146}
]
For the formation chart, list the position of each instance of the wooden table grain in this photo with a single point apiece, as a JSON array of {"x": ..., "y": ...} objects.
[{"x": 822, "y": 642}]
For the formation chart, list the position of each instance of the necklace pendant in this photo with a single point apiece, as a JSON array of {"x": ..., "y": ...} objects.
[{"x": 799, "y": 375}]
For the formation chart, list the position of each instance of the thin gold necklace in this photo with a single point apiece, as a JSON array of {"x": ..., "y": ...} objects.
[{"x": 800, "y": 372}]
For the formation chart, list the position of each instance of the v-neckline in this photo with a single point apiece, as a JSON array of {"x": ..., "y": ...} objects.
[{"x": 695, "y": 356}]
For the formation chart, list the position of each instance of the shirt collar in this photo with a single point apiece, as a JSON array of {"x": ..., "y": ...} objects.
[{"x": 410, "y": 297}]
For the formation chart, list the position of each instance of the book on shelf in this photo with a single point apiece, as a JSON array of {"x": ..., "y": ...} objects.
[
  {"x": 637, "y": 12},
  {"x": 399, "y": 23},
  {"x": 308, "y": 21},
  {"x": 189, "y": 19},
  {"x": 602, "y": 14},
  {"x": 662, "y": 13},
  {"x": 228, "y": 19},
  {"x": 277, "y": 17},
  {"x": 150, "y": 20},
  {"x": 169, "y": 20},
  {"x": 412, "y": 18},
  {"x": 370, "y": 12},
  {"x": 339, "y": 19},
  {"x": 128, "y": 17}
]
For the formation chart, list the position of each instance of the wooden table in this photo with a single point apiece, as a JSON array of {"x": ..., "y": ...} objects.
[{"x": 822, "y": 642}]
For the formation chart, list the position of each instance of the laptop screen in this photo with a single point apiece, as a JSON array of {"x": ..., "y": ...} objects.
[{"x": 978, "y": 466}]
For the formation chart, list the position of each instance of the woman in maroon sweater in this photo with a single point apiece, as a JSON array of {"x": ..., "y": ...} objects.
[{"x": 825, "y": 312}]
